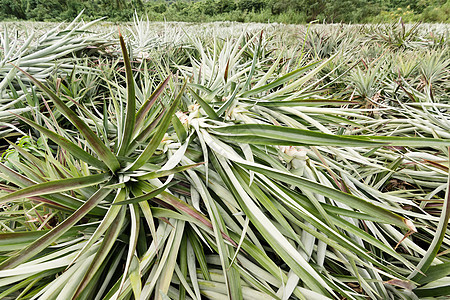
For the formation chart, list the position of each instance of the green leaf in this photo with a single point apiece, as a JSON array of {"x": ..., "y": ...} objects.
[
  {"x": 272, "y": 235},
  {"x": 102, "y": 253},
  {"x": 108, "y": 219},
  {"x": 208, "y": 110},
  {"x": 63, "y": 200},
  {"x": 135, "y": 277},
  {"x": 130, "y": 117},
  {"x": 305, "y": 102},
  {"x": 179, "y": 129},
  {"x": 228, "y": 103},
  {"x": 259, "y": 133},
  {"x": 157, "y": 138},
  {"x": 438, "y": 238},
  {"x": 146, "y": 132},
  {"x": 56, "y": 186},
  {"x": 163, "y": 173},
  {"x": 434, "y": 292},
  {"x": 199, "y": 254},
  {"x": 252, "y": 69},
  {"x": 102, "y": 151},
  {"x": 67, "y": 145},
  {"x": 167, "y": 273},
  {"x": 43, "y": 242},
  {"x": 434, "y": 273},
  {"x": 148, "y": 196},
  {"x": 409, "y": 141},
  {"x": 18, "y": 240},
  {"x": 279, "y": 135},
  {"x": 147, "y": 105},
  {"x": 183, "y": 267},
  {"x": 28, "y": 156},
  {"x": 279, "y": 81},
  {"x": 132, "y": 243},
  {"x": 352, "y": 201}
]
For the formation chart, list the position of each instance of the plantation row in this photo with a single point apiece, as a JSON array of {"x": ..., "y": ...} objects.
[{"x": 224, "y": 161}]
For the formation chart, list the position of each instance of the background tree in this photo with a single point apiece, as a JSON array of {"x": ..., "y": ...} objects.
[{"x": 286, "y": 11}]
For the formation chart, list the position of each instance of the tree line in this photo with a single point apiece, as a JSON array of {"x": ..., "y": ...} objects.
[{"x": 283, "y": 11}]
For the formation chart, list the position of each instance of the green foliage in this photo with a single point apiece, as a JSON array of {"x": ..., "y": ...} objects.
[
  {"x": 277, "y": 162},
  {"x": 284, "y": 11},
  {"x": 250, "y": 5},
  {"x": 437, "y": 13}
]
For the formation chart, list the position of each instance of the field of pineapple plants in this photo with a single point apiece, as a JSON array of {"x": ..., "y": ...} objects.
[{"x": 224, "y": 161}]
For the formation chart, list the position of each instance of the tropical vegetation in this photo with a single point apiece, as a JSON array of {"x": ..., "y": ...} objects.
[
  {"x": 281, "y": 11},
  {"x": 224, "y": 161}
]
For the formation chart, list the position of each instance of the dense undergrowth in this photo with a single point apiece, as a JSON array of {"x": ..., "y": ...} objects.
[
  {"x": 264, "y": 11},
  {"x": 224, "y": 161}
]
